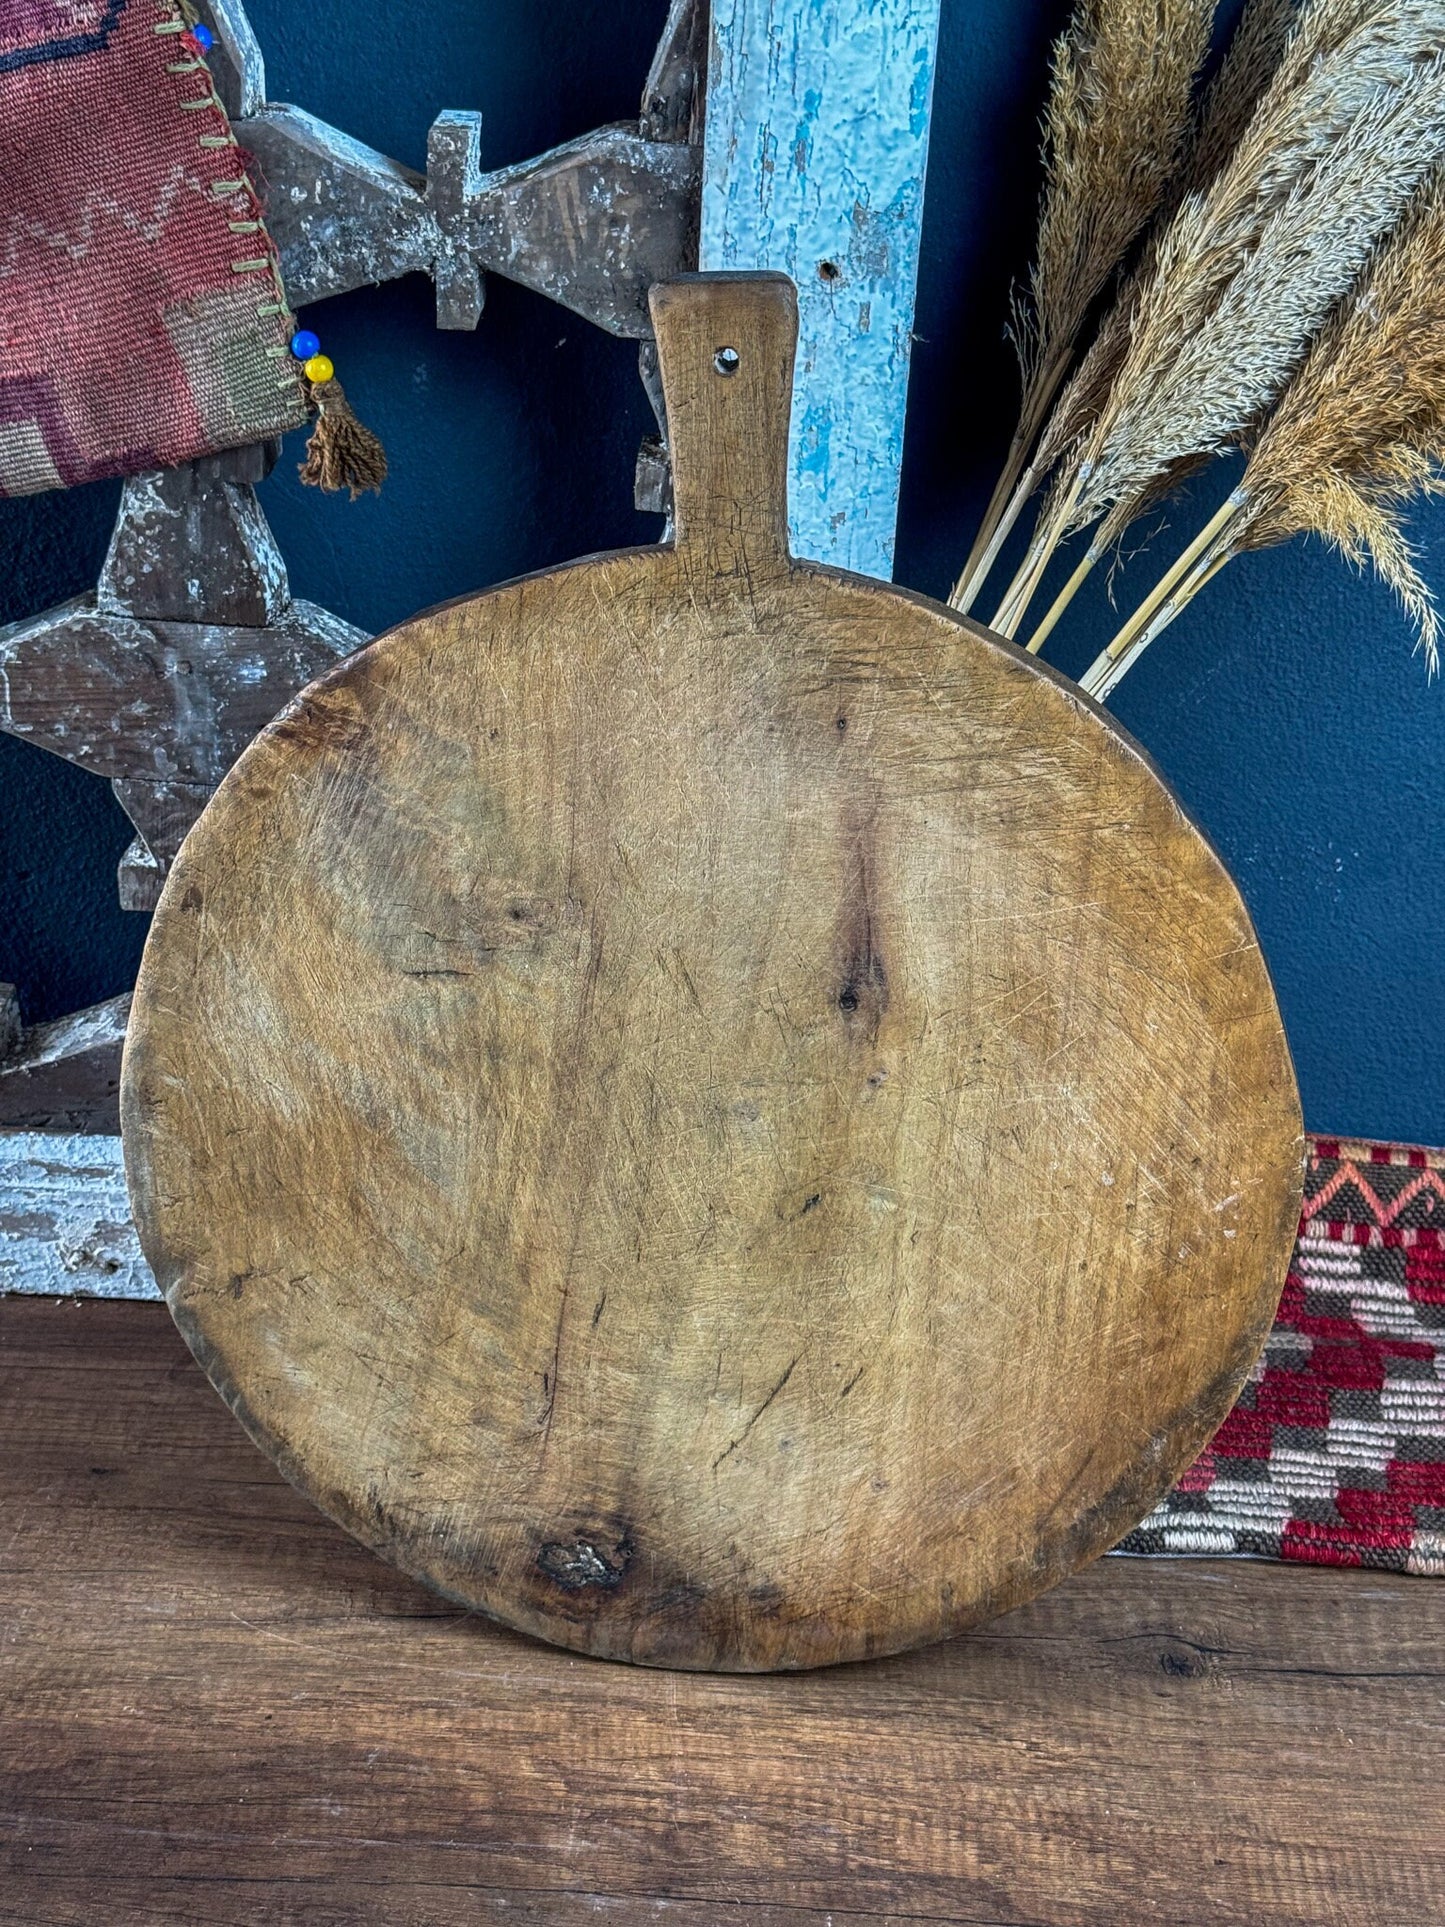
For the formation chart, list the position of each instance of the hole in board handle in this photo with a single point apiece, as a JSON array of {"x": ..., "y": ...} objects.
[{"x": 726, "y": 360}]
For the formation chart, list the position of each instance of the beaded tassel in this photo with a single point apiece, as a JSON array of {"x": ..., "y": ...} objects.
[{"x": 342, "y": 452}]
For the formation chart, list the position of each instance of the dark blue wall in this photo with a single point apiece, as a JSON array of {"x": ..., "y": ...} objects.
[{"x": 1285, "y": 706}]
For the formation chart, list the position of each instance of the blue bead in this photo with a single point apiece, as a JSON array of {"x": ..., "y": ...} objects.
[
  {"x": 304, "y": 344},
  {"x": 203, "y": 37}
]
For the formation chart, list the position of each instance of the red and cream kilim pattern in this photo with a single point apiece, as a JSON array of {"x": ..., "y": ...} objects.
[
  {"x": 1335, "y": 1452},
  {"x": 141, "y": 319}
]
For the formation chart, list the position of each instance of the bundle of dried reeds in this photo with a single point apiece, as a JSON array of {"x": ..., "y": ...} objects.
[
  {"x": 1114, "y": 132},
  {"x": 1358, "y": 432},
  {"x": 1253, "y": 55},
  {"x": 1249, "y": 269}
]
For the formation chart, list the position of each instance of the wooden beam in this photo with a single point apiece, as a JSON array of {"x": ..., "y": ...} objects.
[
  {"x": 815, "y": 146},
  {"x": 64, "y": 1075}
]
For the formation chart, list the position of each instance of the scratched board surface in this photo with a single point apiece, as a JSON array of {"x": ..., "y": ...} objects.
[
  {"x": 576, "y": 1093},
  {"x": 816, "y": 146}
]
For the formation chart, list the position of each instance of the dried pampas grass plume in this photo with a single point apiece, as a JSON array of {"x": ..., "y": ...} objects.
[
  {"x": 1116, "y": 123},
  {"x": 1356, "y": 435},
  {"x": 1248, "y": 66},
  {"x": 1362, "y": 428},
  {"x": 1247, "y": 272}
]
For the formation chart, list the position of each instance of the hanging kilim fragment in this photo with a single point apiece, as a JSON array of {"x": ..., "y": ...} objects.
[{"x": 142, "y": 319}]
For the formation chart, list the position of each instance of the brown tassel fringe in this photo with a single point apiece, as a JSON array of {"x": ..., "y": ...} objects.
[{"x": 342, "y": 452}]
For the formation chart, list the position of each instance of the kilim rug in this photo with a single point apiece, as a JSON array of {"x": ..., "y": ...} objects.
[
  {"x": 1335, "y": 1453},
  {"x": 142, "y": 322}
]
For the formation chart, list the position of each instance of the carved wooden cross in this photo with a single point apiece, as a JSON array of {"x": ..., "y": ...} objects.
[{"x": 810, "y": 161}]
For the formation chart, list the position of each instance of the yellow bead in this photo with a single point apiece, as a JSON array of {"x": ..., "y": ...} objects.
[{"x": 319, "y": 368}]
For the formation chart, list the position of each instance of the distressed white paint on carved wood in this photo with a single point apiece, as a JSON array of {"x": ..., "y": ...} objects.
[
  {"x": 65, "y": 1223},
  {"x": 816, "y": 145}
]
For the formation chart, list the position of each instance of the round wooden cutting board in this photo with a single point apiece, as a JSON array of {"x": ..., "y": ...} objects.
[{"x": 707, "y": 1107}]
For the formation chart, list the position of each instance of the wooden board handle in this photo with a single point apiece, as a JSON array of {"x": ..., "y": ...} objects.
[{"x": 725, "y": 345}]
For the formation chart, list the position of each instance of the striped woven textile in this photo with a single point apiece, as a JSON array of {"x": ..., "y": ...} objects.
[
  {"x": 1335, "y": 1453},
  {"x": 142, "y": 320}
]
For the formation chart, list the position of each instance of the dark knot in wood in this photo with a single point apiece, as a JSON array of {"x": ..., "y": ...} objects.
[{"x": 578, "y": 1564}]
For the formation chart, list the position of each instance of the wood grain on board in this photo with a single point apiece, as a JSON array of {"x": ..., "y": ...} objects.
[
  {"x": 217, "y": 1708},
  {"x": 708, "y": 1107}
]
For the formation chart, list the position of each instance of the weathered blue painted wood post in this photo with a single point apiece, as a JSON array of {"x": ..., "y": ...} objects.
[{"x": 816, "y": 145}]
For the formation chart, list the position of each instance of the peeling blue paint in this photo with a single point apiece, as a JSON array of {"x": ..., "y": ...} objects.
[
  {"x": 844, "y": 87},
  {"x": 920, "y": 98},
  {"x": 811, "y": 449}
]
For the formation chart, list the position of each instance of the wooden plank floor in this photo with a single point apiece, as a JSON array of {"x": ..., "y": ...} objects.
[{"x": 215, "y": 1708}]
